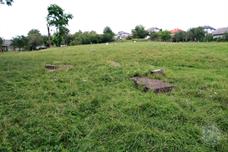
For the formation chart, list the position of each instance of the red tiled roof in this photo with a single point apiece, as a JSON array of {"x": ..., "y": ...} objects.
[{"x": 176, "y": 30}]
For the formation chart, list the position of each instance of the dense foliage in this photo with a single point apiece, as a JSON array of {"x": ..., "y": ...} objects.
[
  {"x": 8, "y": 2},
  {"x": 108, "y": 35},
  {"x": 139, "y": 32},
  {"x": 20, "y": 43},
  {"x": 35, "y": 39},
  {"x": 92, "y": 37},
  {"x": 57, "y": 18},
  {"x": 1, "y": 42}
]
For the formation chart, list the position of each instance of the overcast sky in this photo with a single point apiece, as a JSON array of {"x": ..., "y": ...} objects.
[{"x": 120, "y": 15}]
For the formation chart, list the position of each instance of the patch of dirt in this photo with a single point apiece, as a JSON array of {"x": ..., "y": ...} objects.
[
  {"x": 114, "y": 64},
  {"x": 154, "y": 85},
  {"x": 53, "y": 68}
]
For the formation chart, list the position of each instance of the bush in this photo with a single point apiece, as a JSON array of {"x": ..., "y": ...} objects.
[
  {"x": 165, "y": 35},
  {"x": 154, "y": 36},
  {"x": 139, "y": 32},
  {"x": 208, "y": 38},
  {"x": 108, "y": 35},
  {"x": 86, "y": 38},
  {"x": 92, "y": 37},
  {"x": 196, "y": 34},
  {"x": 225, "y": 37}
]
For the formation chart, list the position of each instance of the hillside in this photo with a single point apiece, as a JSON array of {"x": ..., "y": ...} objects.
[{"x": 90, "y": 103}]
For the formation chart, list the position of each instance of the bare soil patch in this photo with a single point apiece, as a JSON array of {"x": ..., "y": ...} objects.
[
  {"x": 53, "y": 68},
  {"x": 154, "y": 85}
]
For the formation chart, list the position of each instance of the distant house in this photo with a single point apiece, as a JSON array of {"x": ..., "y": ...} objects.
[
  {"x": 208, "y": 29},
  {"x": 176, "y": 30},
  {"x": 153, "y": 29},
  {"x": 122, "y": 35},
  {"x": 6, "y": 46},
  {"x": 219, "y": 33}
]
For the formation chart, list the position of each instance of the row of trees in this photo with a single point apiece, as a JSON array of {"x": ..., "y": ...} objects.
[
  {"x": 92, "y": 37},
  {"x": 30, "y": 42},
  {"x": 194, "y": 34},
  {"x": 59, "y": 20},
  {"x": 34, "y": 40}
]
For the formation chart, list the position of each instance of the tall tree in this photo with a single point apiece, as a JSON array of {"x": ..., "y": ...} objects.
[
  {"x": 179, "y": 37},
  {"x": 165, "y": 35},
  {"x": 19, "y": 42},
  {"x": 1, "y": 43},
  {"x": 108, "y": 35},
  {"x": 34, "y": 39},
  {"x": 225, "y": 37},
  {"x": 139, "y": 32},
  {"x": 8, "y": 2},
  {"x": 196, "y": 34},
  {"x": 57, "y": 18}
]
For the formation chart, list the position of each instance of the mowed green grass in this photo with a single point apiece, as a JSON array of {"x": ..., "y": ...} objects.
[{"x": 94, "y": 106}]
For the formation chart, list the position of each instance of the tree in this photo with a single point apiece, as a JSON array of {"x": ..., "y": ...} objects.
[
  {"x": 225, "y": 37},
  {"x": 165, "y": 35},
  {"x": 20, "y": 42},
  {"x": 1, "y": 43},
  {"x": 208, "y": 37},
  {"x": 57, "y": 18},
  {"x": 86, "y": 38},
  {"x": 179, "y": 37},
  {"x": 45, "y": 39},
  {"x": 139, "y": 32},
  {"x": 196, "y": 34},
  {"x": 8, "y": 2},
  {"x": 154, "y": 36},
  {"x": 34, "y": 39},
  {"x": 108, "y": 35}
]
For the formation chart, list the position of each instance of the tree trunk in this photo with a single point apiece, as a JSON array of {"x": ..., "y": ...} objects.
[{"x": 49, "y": 36}]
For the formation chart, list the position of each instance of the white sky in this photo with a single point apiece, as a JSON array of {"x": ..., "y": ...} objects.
[{"x": 25, "y": 15}]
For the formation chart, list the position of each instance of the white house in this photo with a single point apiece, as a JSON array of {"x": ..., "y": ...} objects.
[
  {"x": 208, "y": 29},
  {"x": 153, "y": 29},
  {"x": 6, "y": 46},
  {"x": 122, "y": 35},
  {"x": 219, "y": 33}
]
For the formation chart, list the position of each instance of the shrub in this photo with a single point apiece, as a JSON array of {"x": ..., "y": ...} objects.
[
  {"x": 154, "y": 36},
  {"x": 165, "y": 35},
  {"x": 139, "y": 32},
  {"x": 179, "y": 37}
]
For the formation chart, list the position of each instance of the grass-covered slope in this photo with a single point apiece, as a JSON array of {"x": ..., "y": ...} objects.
[{"x": 94, "y": 106}]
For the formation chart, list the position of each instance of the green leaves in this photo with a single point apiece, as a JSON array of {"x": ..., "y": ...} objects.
[
  {"x": 139, "y": 32},
  {"x": 34, "y": 39},
  {"x": 8, "y": 2},
  {"x": 57, "y": 18}
]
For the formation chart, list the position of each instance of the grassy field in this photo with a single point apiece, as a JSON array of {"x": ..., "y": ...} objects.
[{"x": 94, "y": 106}]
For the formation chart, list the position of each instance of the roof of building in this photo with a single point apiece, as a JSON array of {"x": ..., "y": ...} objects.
[
  {"x": 176, "y": 30},
  {"x": 122, "y": 32},
  {"x": 208, "y": 27},
  {"x": 153, "y": 29},
  {"x": 220, "y": 31}
]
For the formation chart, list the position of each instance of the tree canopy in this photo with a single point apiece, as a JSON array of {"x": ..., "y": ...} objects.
[
  {"x": 8, "y": 2},
  {"x": 20, "y": 42},
  {"x": 196, "y": 34},
  {"x": 108, "y": 34},
  {"x": 34, "y": 39},
  {"x": 1, "y": 41},
  {"x": 57, "y": 18},
  {"x": 139, "y": 32}
]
